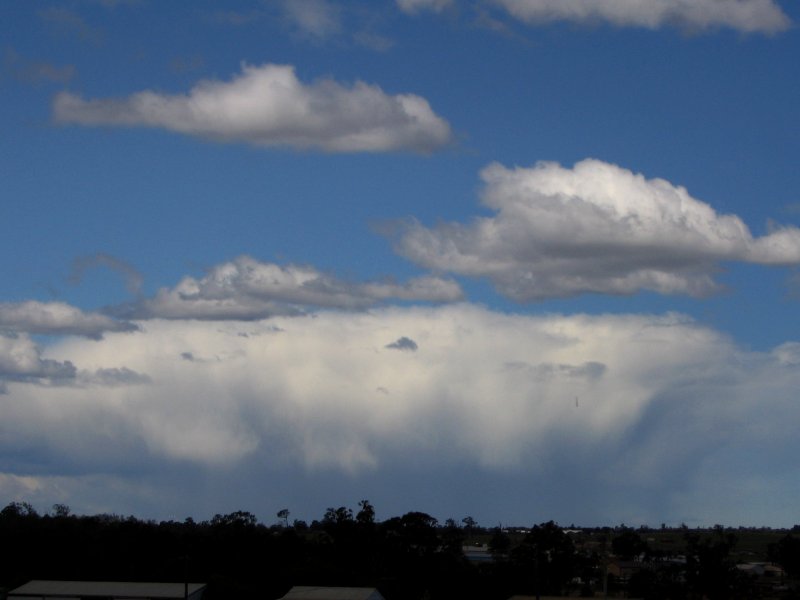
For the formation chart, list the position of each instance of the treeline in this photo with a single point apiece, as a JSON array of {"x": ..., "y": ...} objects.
[{"x": 407, "y": 557}]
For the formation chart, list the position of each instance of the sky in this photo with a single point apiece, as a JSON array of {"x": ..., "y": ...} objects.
[{"x": 520, "y": 260}]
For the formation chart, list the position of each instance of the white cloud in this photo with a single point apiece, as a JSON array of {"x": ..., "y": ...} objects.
[
  {"x": 317, "y": 19},
  {"x": 298, "y": 400},
  {"x": 268, "y": 105},
  {"x": 748, "y": 16},
  {"x": 249, "y": 289},
  {"x": 413, "y": 7},
  {"x": 21, "y": 360},
  {"x": 593, "y": 228},
  {"x": 57, "y": 318}
]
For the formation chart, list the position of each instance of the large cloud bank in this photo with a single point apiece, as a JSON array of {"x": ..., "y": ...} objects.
[
  {"x": 659, "y": 417},
  {"x": 748, "y": 16},
  {"x": 268, "y": 105},
  {"x": 593, "y": 228}
]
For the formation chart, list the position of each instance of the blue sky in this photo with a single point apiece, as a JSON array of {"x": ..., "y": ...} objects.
[{"x": 517, "y": 259}]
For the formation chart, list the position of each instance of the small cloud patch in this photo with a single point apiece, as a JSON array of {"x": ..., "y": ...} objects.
[{"x": 404, "y": 343}]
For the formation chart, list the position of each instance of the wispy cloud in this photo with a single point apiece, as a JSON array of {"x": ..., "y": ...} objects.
[
  {"x": 413, "y": 7},
  {"x": 747, "y": 16},
  {"x": 68, "y": 22},
  {"x": 316, "y": 19},
  {"x": 36, "y": 72},
  {"x": 268, "y": 105},
  {"x": 593, "y": 228},
  {"x": 133, "y": 278}
]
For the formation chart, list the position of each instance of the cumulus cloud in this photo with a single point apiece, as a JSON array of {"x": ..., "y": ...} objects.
[
  {"x": 747, "y": 16},
  {"x": 268, "y": 105},
  {"x": 21, "y": 360},
  {"x": 246, "y": 288},
  {"x": 57, "y": 318},
  {"x": 486, "y": 398},
  {"x": 593, "y": 228},
  {"x": 413, "y": 7}
]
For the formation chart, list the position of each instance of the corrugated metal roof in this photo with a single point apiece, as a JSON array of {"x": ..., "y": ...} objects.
[
  {"x": 113, "y": 589},
  {"x": 307, "y": 592}
]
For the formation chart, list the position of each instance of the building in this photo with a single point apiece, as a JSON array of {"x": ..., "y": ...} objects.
[
  {"x": 307, "y": 592},
  {"x": 106, "y": 590}
]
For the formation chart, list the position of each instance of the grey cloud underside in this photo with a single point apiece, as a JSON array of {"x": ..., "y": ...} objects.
[
  {"x": 595, "y": 228},
  {"x": 58, "y": 318},
  {"x": 268, "y": 105},
  {"x": 248, "y": 289},
  {"x": 403, "y": 343},
  {"x": 747, "y": 16},
  {"x": 21, "y": 361}
]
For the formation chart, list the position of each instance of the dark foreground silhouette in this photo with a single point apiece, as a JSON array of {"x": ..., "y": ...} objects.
[{"x": 407, "y": 557}]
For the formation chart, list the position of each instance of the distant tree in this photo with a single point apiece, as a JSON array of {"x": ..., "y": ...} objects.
[
  {"x": 499, "y": 544},
  {"x": 365, "y": 516},
  {"x": 710, "y": 570},
  {"x": 469, "y": 526},
  {"x": 300, "y": 525},
  {"x": 337, "y": 516},
  {"x": 239, "y": 518},
  {"x": 786, "y": 552},
  {"x": 628, "y": 544},
  {"x": 61, "y": 510},
  {"x": 548, "y": 554},
  {"x": 452, "y": 538},
  {"x": 19, "y": 509},
  {"x": 283, "y": 514}
]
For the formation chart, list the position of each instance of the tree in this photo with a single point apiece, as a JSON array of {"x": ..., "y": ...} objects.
[
  {"x": 710, "y": 571},
  {"x": 365, "y": 516},
  {"x": 284, "y": 515},
  {"x": 19, "y": 509},
  {"x": 628, "y": 544},
  {"x": 548, "y": 554},
  {"x": 786, "y": 552},
  {"x": 61, "y": 510},
  {"x": 499, "y": 544},
  {"x": 239, "y": 518},
  {"x": 337, "y": 516}
]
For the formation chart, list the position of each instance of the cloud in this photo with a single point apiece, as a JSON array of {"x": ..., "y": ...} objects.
[
  {"x": 112, "y": 377},
  {"x": 67, "y": 22},
  {"x": 133, "y": 278},
  {"x": 57, "y": 318},
  {"x": 20, "y": 360},
  {"x": 323, "y": 410},
  {"x": 747, "y": 16},
  {"x": 403, "y": 343},
  {"x": 269, "y": 106},
  {"x": 413, "y": 7},
  {"x": 593, "y": 228},
  {"x": 249, "y": 289},
  {"x": 316, "y": 19},
  {"x": 36, "y": 72}
]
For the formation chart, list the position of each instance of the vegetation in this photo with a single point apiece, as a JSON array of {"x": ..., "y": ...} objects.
[{"x": 406, "y": 557}]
